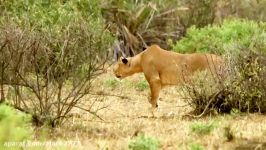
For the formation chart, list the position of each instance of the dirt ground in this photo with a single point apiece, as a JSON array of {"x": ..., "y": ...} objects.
[{"x": 126, "y": 114}]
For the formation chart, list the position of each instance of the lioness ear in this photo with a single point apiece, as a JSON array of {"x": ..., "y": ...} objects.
[{"x": 124, "y": 60}]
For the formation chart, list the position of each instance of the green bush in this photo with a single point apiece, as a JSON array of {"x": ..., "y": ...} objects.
[
  {"x": 14, "y": 126},
  {"x": 217, "y": 38},
  {"x": 50, "y": 15},
  {"x": 142, "y": 142}
]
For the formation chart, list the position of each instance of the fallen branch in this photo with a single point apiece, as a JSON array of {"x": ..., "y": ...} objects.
[{"x": 206, "y": 107}]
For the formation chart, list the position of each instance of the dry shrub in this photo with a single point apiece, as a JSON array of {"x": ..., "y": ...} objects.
[
  {"x": 49, "y": 55},
  {"x": 205, "y": 93},
  {"x": 47, "y": 74},
  {"x": 248, "y": 84},
  {"x": 243, "y": 89}
]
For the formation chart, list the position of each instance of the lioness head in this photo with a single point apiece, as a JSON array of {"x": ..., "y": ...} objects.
[{"x": 123, "y": 68}]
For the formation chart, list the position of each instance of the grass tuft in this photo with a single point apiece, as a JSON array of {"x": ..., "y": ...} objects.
[
  {"x": 142, "y": 85},
  {"x": 202, "y": 128},
  {"x": 143, "y": 142}
]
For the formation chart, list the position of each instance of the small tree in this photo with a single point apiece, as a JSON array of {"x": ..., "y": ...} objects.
[{"x": 50, "y": 61}]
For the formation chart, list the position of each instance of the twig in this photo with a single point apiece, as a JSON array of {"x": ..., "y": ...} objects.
[
  {"x": 107, "y": 94},
  {"x": 206, "y": 107},
  {"x": 92, "y": 112},
  {"x": 166, "y": 13}
]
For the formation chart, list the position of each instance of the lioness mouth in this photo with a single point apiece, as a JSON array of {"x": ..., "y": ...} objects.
[{"x": 118, "y": 76}]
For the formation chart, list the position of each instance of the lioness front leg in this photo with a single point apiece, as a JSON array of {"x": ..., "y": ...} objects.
[
  {"x": 155, "y": 87},
  {"x": 153, "y": 78}
]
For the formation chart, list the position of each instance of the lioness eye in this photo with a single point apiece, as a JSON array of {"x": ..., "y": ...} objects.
[{"x": 124, "y": 60}]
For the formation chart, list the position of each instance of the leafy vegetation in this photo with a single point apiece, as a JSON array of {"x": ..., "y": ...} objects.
[
  {"x": 202, "y": 128},
  {"x": 142, "y": 85},
  {"x": 217, "y": 38},
  {"x": 143, "y": 142},
  {"x": 14, "y": 126}
]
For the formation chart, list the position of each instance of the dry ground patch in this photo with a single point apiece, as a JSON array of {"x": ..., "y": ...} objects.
[{"x": 126, "y": 114}]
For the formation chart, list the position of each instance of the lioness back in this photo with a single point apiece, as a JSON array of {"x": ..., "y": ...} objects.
[{"x": 173, "y": 67}]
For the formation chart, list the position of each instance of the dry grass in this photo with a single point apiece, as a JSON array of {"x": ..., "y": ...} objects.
[{"x": 124, "y": 117}]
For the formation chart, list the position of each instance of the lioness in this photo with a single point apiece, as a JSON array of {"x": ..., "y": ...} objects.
[{"x": 162, "y": 68}]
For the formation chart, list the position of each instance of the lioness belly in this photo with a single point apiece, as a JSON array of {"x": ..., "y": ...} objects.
[{"x": 171, "y": 78}]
